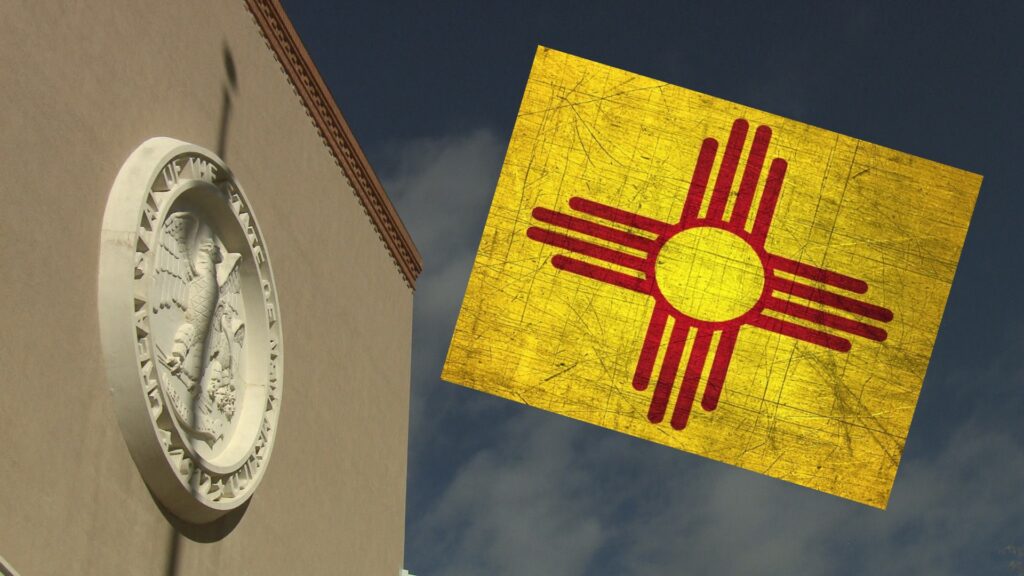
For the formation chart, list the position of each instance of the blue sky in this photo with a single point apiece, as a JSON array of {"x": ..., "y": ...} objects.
[{"x": 431, "y": 92}]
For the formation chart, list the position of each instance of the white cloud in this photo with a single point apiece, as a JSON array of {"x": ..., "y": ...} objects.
[
  {"x": 442, "y": 187},
  {"x": 518, "y": 508},
  {"x": 554, "y": 496}
]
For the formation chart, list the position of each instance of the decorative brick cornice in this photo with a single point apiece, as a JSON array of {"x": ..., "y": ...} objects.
[{"x": 283, "y": 40}]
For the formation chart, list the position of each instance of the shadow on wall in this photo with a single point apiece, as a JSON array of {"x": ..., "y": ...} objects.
[
  {"x": 220, "y": 528},
  {"x": 203, "y": 533},
  {"x": 228, "y": 89}
]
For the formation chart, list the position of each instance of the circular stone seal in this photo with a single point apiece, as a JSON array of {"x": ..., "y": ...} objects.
[{"x": 190, "y": 328}]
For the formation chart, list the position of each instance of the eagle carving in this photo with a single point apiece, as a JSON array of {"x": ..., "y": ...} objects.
[{"x": 198, "y": 280}]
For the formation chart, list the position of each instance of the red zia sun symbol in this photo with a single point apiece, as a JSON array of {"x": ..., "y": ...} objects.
[{"x": 711, "y": 274}]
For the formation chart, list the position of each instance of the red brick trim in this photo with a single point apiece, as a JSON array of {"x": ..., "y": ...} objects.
[{"x": 282, "y": 39}]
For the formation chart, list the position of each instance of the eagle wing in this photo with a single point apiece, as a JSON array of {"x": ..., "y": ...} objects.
[{"x": 174, "y": 261}]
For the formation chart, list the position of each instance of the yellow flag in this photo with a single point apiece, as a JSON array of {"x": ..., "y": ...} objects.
[{"x": 711, "y": 277}]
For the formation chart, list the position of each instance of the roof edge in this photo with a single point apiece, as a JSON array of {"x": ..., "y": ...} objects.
[{"x": 284, "y": 42}]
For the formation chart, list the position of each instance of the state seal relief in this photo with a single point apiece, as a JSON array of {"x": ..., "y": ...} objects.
[
  {"x": 190, "y": 328},
  {"x": 197, "y": 278}
]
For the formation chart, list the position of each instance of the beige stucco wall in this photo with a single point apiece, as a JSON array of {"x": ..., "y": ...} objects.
[{"x": 82, "y": 85}]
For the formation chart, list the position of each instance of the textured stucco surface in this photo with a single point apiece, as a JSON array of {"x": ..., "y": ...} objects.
[{"x": 84, "y": 84}]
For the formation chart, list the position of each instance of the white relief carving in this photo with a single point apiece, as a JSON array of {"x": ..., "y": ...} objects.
[
  {"x": 197, "y": 279},
  {"x": 190, "y": 327}
]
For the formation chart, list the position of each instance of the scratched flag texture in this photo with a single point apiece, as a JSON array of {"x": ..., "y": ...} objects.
[{"x": 711, "y": 277}]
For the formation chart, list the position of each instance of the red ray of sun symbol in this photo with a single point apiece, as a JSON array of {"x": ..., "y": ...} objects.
[{"x": 711, "y": 274}]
